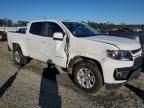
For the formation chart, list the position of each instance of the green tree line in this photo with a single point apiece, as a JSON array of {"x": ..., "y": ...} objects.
[
  {"x": 110, "y": 26},
  {"x": 9, "y": 23},
  {"x": 103, "y": 26}
]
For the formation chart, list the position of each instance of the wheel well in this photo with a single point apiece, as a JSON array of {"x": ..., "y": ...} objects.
[
  {"x": 77, "y": 59},
  {"x": 15, "y": 45}
]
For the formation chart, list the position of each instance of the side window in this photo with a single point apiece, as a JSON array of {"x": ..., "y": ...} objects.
[
  {"x": 53, "y": 28},
  {"x": 36, "y": 28},
  {"x": 44, "y": 29}
]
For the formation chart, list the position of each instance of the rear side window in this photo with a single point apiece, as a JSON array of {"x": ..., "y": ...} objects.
[{"x": 36, "y": 28}]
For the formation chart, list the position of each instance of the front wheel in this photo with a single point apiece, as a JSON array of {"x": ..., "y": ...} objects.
[{"x": 87, "y": 76}]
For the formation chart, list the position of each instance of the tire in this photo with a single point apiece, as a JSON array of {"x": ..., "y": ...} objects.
[
  {"x": 18, "y": 56},
  {"x": 92, "y": 75},
  {"x": 1, "y": 37}
]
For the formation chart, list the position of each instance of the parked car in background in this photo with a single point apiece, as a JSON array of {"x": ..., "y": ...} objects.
[
  {"x": 142, "y": 37},
  {"x": 102, "y": 31},
  {"x": 22, "y": 30},
  {"x": 3, "y": 36},
  {"x": 138, "y": 36},
  {"x": 126, "y": 34}
]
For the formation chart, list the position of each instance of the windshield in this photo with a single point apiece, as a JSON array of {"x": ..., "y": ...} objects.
[{"x": 80, "y": 29}]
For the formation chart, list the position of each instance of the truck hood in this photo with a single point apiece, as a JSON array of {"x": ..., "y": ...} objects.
[{"x": 121, "y": 43}]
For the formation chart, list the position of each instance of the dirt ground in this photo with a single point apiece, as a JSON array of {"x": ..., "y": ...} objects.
[{"x": 38, "y": 86}]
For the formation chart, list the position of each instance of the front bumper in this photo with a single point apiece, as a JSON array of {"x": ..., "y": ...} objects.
[
  {"x": 116, "y": 72},
  {"x": 127, "y": 73}
]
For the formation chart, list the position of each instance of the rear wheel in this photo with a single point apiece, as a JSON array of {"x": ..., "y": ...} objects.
[
  {"x": 0, "y": 37},
  {"x": 87, "y": 76},
  {"x": 19, "y": 58}
]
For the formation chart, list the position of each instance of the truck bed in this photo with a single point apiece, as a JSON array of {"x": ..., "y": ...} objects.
[{"x": 14, "y": 37}]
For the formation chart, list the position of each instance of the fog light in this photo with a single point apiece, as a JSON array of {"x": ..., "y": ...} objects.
[{"x": 121, "y": 74}]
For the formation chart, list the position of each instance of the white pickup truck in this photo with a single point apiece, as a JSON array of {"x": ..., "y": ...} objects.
[{"x": 91, "y": 58}]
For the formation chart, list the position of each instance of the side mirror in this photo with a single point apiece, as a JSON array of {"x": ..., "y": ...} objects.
[{"x": 58, "y": 36}]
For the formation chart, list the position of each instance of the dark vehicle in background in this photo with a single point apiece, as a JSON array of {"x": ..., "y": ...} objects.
[
  {"x": 139, "y": 36},
  {"x": 3, "y": 36},
  {"x": 101, "y": 31},
  {"x": 142, "y": 38},
  {"x": 22, "y": 30}
]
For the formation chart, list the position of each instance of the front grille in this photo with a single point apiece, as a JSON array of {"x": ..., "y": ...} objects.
[{"x": 135, "y": 51}]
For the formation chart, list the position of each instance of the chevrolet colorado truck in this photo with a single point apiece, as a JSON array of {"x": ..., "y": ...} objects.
[{"x": 91, "y": 58}]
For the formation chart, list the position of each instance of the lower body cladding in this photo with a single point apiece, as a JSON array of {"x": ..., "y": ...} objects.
[{"x": 115, "y": 71}]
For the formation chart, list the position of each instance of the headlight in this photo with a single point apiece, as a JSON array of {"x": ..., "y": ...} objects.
[
  {"x": 119, "y": 55},
  {"x": 137, "y": 39}
]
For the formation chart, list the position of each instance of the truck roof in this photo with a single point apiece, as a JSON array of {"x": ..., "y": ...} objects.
[
  {"x": 52, "y": 21},
  {"x": 44, "y": 21}
]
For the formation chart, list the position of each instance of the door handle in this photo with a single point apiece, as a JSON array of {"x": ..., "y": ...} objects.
[
  {"x": 43, "y": 42},
  {"x": 28, "y": 38}
]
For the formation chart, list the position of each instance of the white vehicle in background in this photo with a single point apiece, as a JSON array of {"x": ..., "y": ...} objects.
[{"x": 93, "y": 59}]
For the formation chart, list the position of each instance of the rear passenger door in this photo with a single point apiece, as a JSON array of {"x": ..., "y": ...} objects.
[{"x": 33, "y": 40}]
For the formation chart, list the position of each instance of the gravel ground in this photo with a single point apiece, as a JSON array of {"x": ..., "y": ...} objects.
[{"x": 38, "y": 86}]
